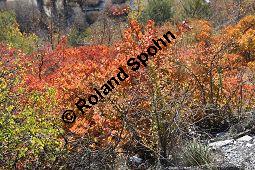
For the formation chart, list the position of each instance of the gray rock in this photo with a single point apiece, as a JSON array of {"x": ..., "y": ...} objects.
[
  {"x": 239, "y": 153},
  {"x": 219, "y": 144},
  {"x": 135, "y": 160},
  {"x": 245, "y": 138}
]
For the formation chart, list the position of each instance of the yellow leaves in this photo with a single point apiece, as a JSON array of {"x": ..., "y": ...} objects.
[
  {"x": 22, "y": 151},
  {"x": 10, "y": 108},
  {"x": 251, "y": 65},
  {"x": 110, "y": 139},
  {"x": 242, "y": 36},
  {"x": 247, "y": 40},
  {"x": 247, "y": 22},
  {"x": 93, "y": 145},
  {"x": 3, "y": 83},
  {"x": 11, "y": 34}
]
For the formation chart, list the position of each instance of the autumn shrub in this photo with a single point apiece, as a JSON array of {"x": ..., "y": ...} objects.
[
  {"x": 71, "y": 74},
  {"x": 182, "y": 84},
  {"x": 154, "y": 106},
  {"x": 30, "y": 133},
  {"x": 31, "y": 138},
  {"x": 74, "y": 72},
  {"x": 242, "y": 37},
  {"x": 11, "y": 35},
  {"x": 218, "y": 69}
]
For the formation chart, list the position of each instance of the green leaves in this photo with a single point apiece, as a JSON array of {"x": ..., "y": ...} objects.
[
  {"x": 27, "y": 127},
  {"x": 30, "y": 132},
  {"x": 159, "y": 11},
  {"x": 196, "y": 9},
  {"x": 11, "y": 35}
]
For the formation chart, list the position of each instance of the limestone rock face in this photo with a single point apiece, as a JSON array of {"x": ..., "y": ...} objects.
[{"x": 64, "y": 13}]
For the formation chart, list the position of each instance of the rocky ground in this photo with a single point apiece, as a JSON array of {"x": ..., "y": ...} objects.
[
  {"x": 237, "y": 146},
  {"x": 229, "y": 154},
  {"x": 230, "y": 150},
  {"x": 238, "y": 153}
]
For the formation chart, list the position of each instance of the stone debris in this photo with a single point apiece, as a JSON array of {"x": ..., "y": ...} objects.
[
  {"x": 239, "y": 152},
  {"x": 245, "y": 138},
  {"x": 219, "y": 144},
  {"x": 135, "y": 160}
]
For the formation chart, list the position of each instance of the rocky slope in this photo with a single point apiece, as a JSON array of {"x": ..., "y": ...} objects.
[{"x": 65, "y": 14}]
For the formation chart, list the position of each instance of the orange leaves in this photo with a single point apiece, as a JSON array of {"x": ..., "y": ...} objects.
[
  {"x": 249, "y": 87},
  {"x": 209, "y": 66},
  {"x": 242, "y": 37},
  {"x": 72, "y": 66},
  {"x": 202, "y": 29},
  {"x": 137, "y": 40},
  {"x": 231, "y": 60},
  {"x": 74, "y": 72},
  {"x": 34, "y": 83},
  {"x": 136, "y": 28},
  {"x": 247, "y": 41},
  {"x": 246, "y": 23}
]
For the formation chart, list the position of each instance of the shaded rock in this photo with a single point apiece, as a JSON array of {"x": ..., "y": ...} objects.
[
  {"x": 215, "y": 120},
  {"x": 245, "y": 122}
]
